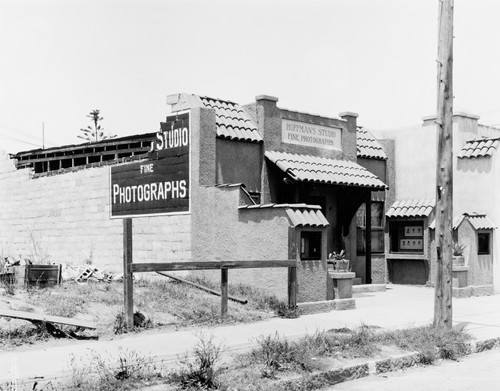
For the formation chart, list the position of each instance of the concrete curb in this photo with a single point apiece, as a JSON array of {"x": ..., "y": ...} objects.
[
  {"x": 338, "y": 375},
  {"x": 375, "y": 367}
]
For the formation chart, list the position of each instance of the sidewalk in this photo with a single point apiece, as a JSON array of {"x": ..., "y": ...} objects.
[{"x": 398, "y": 307}]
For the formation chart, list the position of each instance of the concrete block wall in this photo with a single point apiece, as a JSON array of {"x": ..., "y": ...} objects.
[{"x": 64, "y": 218}]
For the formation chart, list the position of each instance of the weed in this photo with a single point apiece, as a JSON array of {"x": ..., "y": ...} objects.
[
  {"x": 450, "y": 344},
  {"x": 37, "y": 253},
  {"x": 125, "y": 372},
  {"x": 279, "y": 354},
  {"x": 275, "y": 351},
  {"x": 120, "y": 326},
  {"x": 8, "y": 283},
  {"x": 200, "y": 373},
  {"x": 284, "y": 311}
]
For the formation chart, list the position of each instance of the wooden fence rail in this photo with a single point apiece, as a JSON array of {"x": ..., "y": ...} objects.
[{"x": 129, "y": 268}]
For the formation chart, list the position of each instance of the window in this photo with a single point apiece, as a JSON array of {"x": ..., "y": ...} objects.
[
  {"x": 377, "y": 219},
  {"x": 407, "y": 236},
  {"x": 255, "y": 196},
  {"x": 483, "y": 243},
  {"x": 310, "y": 245}
]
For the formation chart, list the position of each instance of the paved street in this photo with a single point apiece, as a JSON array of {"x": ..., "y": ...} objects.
[{"x": 472, "y": 373}]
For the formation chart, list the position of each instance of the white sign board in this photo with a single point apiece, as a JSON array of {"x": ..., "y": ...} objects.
[{"x": 311, "y": 135}]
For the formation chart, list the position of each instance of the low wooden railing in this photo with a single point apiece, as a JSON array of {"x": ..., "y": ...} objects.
[{"x": 129, "y": 268}]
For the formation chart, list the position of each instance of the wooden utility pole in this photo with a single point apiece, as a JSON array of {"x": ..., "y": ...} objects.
[{"x": 444, "y": 177}]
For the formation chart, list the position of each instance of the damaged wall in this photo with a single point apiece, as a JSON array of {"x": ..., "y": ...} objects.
[{"x": 65, "y": 219}]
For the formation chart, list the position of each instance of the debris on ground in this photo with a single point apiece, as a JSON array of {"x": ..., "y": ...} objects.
[
  {"x": 85, "y": 273},
  {"x": 58, "y": 333},
  {"x": 46, "y": 323}
]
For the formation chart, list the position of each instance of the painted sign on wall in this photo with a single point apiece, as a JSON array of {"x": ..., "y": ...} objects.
[
  {"x": 301, "y": 133},
  {"x": 161, "y": 184}
]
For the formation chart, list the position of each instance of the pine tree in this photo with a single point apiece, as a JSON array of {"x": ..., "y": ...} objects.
[{"x": 94, "y": 132}]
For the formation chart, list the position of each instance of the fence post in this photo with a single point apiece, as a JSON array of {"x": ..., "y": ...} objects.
[
  {"x": 128, "y": 283},
  {"x": 292, "y": 287},
  {"x": 223, "y": 291}
]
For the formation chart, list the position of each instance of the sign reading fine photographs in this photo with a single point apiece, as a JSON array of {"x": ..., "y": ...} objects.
[
  {"x": 301, "y": 133},
  {"x": 160, "y": 185}
]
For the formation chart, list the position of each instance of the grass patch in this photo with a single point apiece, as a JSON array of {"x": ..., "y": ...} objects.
[
  {"x": 25, "y": 334},
  {"x": 128, "y": 371},
  {"x": 279, "y": 358},
  {"x": 164, "y": 302},
  {"x": 258, "y": 299},
  {"x": 450, "y": 344},
  {"x": 61, "y": 305}
]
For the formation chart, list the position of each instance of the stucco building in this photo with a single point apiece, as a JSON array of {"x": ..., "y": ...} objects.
[
  {"x": 265, "y": 183},
  {"x": 410, "y": 247}
]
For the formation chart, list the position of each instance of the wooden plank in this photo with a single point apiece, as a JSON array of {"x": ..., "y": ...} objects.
[
  {"x": 148, "y": 137},
  {"x": 36, "y": 317},
  {"x": 223, "y": 290},
  {"x": 368, "y": 238},
  {"x": 292, "y": 287},
  {"x": 173, "y": 266},
  {"x": 257, "y": 264},
  {"x": 83, "y": 155},
  {"x": 203, "y": 288},
  {"x": 128, "y": 283}
]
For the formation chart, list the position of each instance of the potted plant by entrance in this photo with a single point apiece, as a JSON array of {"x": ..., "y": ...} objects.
[
  {"x": 458, "y": 257},
  {"x": 340, "y": 264}
]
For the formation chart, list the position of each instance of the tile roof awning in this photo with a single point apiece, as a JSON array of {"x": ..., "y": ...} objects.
[
  {"x": 306, "y": 168},
  {"x": 367, "y": 146},
  {"x": 411, "y": 208},
  {"x": 301, "y": 215},
  {"x": 478, "y": 221},
  {"x": 479, "y": 147},
  {"x": 232, "y": 122}
]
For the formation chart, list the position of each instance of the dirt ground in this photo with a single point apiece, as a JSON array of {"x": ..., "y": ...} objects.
[{"x": 169, "y": 306}]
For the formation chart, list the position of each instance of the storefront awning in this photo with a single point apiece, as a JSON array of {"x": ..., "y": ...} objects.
[
  {"x": 306, "y": 168},
  {"x": 411, "y": 208},
  {"x": 301, "y": 215},
  {"x": 479, "y": 147},
  {"x": 478, "y": 221}
]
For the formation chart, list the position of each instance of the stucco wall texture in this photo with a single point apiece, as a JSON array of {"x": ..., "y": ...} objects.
[
  {"x": 261, "y": 234},
  {"x": 65, "y": 219},
  {"x": 480, "y": 273}
]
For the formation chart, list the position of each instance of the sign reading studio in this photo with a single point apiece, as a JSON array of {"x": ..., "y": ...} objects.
[
  {"x": 311, "y": 135},
  {"x": 160, "y": 185}
]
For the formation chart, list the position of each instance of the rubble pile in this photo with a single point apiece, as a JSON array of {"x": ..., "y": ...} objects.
[
  {"x": 81, "y": 273},
  {"x": 86, "y": 273}
]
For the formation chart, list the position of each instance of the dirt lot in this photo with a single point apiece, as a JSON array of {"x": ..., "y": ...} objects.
[{"x": 165, "y": 304}]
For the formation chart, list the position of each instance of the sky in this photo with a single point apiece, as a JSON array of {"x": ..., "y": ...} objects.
[{"x": 61, "y": 59}]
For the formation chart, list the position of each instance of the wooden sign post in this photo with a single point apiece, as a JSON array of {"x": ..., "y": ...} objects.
[
  {"x": 444, "y": 177},
  {"x": 128, "y": 283}
]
